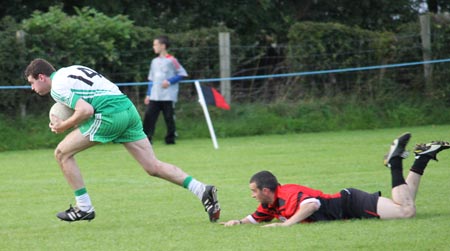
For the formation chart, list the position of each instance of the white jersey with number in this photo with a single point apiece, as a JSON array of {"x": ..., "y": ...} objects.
[{"x": 71, "y": 83}]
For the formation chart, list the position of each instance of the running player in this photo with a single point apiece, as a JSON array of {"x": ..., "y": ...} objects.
[
  {"x": 103, "y": 114},
  {"x": 293, "y": 203}
]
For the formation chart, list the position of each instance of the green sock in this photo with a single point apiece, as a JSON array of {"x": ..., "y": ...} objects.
[
  {"x": 187, "y": 181},
  {"x": 80, "y": 191}
]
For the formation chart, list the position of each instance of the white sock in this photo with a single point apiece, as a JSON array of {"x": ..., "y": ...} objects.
[
  {"x": 197, "y": 188},
  {"x": 84, "y": 202}
]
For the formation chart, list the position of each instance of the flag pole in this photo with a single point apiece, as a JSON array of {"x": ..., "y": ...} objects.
[{"x": 202, "y": 102}]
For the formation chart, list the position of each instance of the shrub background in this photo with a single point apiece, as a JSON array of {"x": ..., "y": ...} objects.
[{"x": 122, "y": 51}]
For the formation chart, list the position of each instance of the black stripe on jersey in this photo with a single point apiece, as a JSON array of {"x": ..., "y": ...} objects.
[{"x": 88, "y": 82}]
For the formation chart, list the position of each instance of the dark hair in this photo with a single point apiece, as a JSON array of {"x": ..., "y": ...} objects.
[
  {"x": 265, "y": 179},
  {"x": 39, "y": 66},
  {"x": 163, "y": 39}
]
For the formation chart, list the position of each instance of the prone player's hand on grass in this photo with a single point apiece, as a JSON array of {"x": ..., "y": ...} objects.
[{"x": 230, "y": 223}]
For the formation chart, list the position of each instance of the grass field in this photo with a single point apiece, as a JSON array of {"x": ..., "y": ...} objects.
[{"x": 138, "y": 212}]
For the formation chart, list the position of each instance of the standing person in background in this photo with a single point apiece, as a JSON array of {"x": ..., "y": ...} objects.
[{"x": 164, "y": 74}]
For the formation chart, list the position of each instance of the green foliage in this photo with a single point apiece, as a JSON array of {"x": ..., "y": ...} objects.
[
  {"x": 370, "y": 14},
  {"x": 440, "y": 27},
  {"x": 336, "y": 46},
  {"x": 251, "y": 19},
  {"x": 332, "y": 42},
  {"x": 89, "y": 38},
  {"x": 114, "y": 46},
  {"x": 119, "y": 49},
  {"x": 64, "y": 39},
  {"x": 12, "y": 59}
]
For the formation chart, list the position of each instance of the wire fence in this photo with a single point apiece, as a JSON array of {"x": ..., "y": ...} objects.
[{"x": 264, "y": 73}]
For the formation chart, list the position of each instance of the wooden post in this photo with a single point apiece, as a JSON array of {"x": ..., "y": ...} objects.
[
  {"x": 20, "y": 40},
  {"x": 425, "y": 34},
  {"x": 225, "y": 71}
]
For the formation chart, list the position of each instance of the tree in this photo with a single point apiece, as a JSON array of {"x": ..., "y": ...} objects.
[
  {"x": 438, "y": 6},
  {"x": 252, "y": 20}
]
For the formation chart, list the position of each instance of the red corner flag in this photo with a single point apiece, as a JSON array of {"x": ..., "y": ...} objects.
[{"x": 213, "y": 97}]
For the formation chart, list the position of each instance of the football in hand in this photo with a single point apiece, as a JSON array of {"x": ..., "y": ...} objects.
[{"x": 61, "y": 111}]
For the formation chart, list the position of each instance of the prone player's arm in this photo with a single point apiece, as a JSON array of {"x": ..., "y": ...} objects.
[
  {"x": 235, "y": 222},
  {"x": 82, "y": 111},
  {"x": 306, "y": 210}
]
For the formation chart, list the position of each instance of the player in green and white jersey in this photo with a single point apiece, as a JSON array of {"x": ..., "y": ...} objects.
[{"x": 102, "y": 114}]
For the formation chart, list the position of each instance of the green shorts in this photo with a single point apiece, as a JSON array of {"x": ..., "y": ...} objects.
[{"x": 121, "y": 127}]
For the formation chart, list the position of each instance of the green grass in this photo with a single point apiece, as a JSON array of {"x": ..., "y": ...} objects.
[{"x": 138, "y": 212}]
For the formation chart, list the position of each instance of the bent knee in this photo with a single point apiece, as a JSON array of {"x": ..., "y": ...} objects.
[
  {"x": 409, "y": 212},
  {"x": 59, "y": 154},
  {"x": 153, "y": 169}
]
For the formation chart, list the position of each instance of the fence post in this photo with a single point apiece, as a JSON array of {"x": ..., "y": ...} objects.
[
  {"x": 425, "y": 34},
  {"x": 225, "y": 71},
  {"x": 20, "y": 40}
]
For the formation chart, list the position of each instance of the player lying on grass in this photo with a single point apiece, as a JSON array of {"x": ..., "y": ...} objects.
[
  {"x": 293, "y": 204},
  {"x": 104, "y": 114}
]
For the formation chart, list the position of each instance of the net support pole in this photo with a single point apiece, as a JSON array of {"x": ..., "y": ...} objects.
[
  {"x": 225, "y": 63},
  {"x": 202, "y": 102}
]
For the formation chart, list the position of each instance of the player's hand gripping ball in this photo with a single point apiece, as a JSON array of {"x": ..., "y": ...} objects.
[{"x": 60, "y": 111}]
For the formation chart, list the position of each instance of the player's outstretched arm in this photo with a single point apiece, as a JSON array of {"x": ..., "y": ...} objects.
[{"x": 235, "y": 222}]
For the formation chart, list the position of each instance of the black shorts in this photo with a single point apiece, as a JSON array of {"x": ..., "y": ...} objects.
[{"x": 357, "y": 204}]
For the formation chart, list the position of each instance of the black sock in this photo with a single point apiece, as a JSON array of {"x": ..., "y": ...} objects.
[
  {"x": 397, "y": 171},
  {"x": 420, "y": 164}
]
